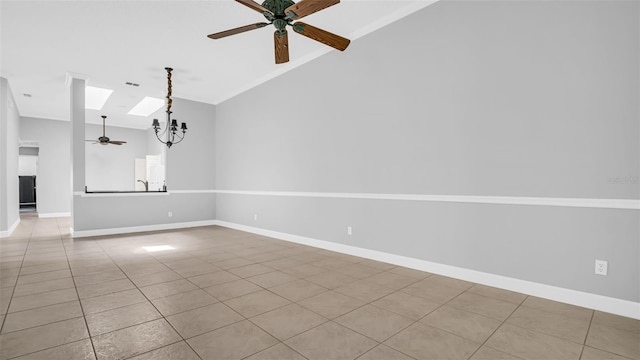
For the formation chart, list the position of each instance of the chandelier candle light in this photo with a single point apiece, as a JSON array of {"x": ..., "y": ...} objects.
[{"x": 170, "y": 130}]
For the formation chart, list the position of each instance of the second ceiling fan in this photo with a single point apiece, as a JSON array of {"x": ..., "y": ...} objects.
[
  {"x": 104, "y": 140},
  {"x": 282, "y": 13}
]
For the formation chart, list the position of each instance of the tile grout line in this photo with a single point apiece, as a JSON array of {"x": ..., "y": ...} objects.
[
  {"x": 40, "y": 307},
  {"x": 263, "y": 289},
  {"x": 84, "y": 316},
  {"x": 371, "y": 303},
  {"x": 498, "y": 328},
  {"x": 429, "y": 313},
  {"x": 274, "y": 345},
  {"x": 53, "y": 322},
  {"x": 219, "y": 301},
  {"x": 267, "y": 332},
  {"x": 348, "y": 312},
  {"x": 586, "y": 336},
  {"x": 404, "y": 328},
  {"x": 556, "y": 314},
  {"x": 152, "y": 304},
  {"x": 13, "y": 291},
  {"x": 254, "y": 262}
]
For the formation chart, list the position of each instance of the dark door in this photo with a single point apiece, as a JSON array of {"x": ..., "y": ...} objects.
[{"x": 27, "y": 190}]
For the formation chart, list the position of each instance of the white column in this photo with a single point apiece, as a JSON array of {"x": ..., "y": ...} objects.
[{"x": 77, "y": 87}]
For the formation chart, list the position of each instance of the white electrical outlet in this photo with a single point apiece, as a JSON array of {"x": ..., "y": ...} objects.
[
  {"x": 255, "y": 217},
  {"x": 349, "y": 231},
  {"x": 170, "y": 214},
  {"x": 601, "y": 267}
]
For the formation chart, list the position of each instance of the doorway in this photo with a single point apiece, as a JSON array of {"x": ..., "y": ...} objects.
[
  {"x": 151, "y": 170},
  {"x": 27, "y": 177}
]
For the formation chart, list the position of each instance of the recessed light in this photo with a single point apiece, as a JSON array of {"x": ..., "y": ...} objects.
[
  {"x": 147, "y": 106},
  {"x": 158, "y": 248},
  {"x": 94, "y": 98}
]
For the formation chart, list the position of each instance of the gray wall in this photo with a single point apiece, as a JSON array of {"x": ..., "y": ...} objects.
[
  {"x": 190, "y": 171},
  {"x": 54, "y": 189},
  {"x": 190, "y": 164},
  {"x": 9, "y": 196},
  {"x": 524, "y": 99}
]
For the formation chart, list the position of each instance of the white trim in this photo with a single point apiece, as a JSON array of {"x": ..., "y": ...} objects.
[
  {"x": 9, "y": 231},
  {"x": 625, "y": 204},
  {"x": 143, "y": 193},
  {"x": 392, "y": 17},
  {"x": 628, "y": 204},
  {"x": 54, "y": 215},
  {"x": 134, "y": 229},
  {"x": 118, "y": 194},
  {"x": 593, "y": 301},
  {"x": 193, "y": 191},
  {"x": 28, "y": 143}
]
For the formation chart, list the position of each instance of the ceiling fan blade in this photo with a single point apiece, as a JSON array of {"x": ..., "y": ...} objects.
[
  {"x": 307, "y": 7},
  {"x": 115, "y": 142},
  {"x": 257, "y": 7},
  {"x": 323, "y": 36},
  {"x": 237, "y": 30},
  {"x": 281, "y": 43}
]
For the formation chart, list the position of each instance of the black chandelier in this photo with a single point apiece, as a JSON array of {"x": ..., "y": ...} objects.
[{"x": 171, "y": 131}]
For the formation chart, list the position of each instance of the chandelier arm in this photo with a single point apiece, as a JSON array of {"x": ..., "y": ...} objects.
[
  {"x": 164, "y": 131},
  {"x": 158, "y": 137},
  {"x": 160, "y": 134},
  {"x": 179, "y": 137}
]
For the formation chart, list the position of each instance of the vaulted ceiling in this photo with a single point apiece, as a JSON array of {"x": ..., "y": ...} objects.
[{"x": 115, "y": 42}]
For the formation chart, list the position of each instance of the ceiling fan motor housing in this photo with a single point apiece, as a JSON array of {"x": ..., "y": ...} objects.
[
  {"x": 277, "y": 7},
  {"x": 280, "y": 24}
]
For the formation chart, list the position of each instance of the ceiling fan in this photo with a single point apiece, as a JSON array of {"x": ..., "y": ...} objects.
[
  {"x": 104, "y": 140},
  {"x": 281, "y": 13}
]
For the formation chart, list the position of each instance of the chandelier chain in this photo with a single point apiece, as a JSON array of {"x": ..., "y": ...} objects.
[{"x": 169, "y": 100}]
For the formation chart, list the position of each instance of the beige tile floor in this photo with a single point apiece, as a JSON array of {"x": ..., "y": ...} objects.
[{"x": 225, "y": 294}]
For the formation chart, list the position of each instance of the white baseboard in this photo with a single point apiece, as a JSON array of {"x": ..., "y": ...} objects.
[
  {"x": 134, "y": 229},
  {"x": 8, "y": 232},
  {"x": 592, "y": 301},
  {"x": 54, "y": 215}
]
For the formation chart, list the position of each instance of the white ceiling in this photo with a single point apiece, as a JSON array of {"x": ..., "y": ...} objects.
[{"x": 114, "y": 42}]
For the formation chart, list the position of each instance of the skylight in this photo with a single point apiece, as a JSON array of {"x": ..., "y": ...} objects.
[
  {"x": 147, "y": 106},
  {"x": 94, "y": 98}
]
